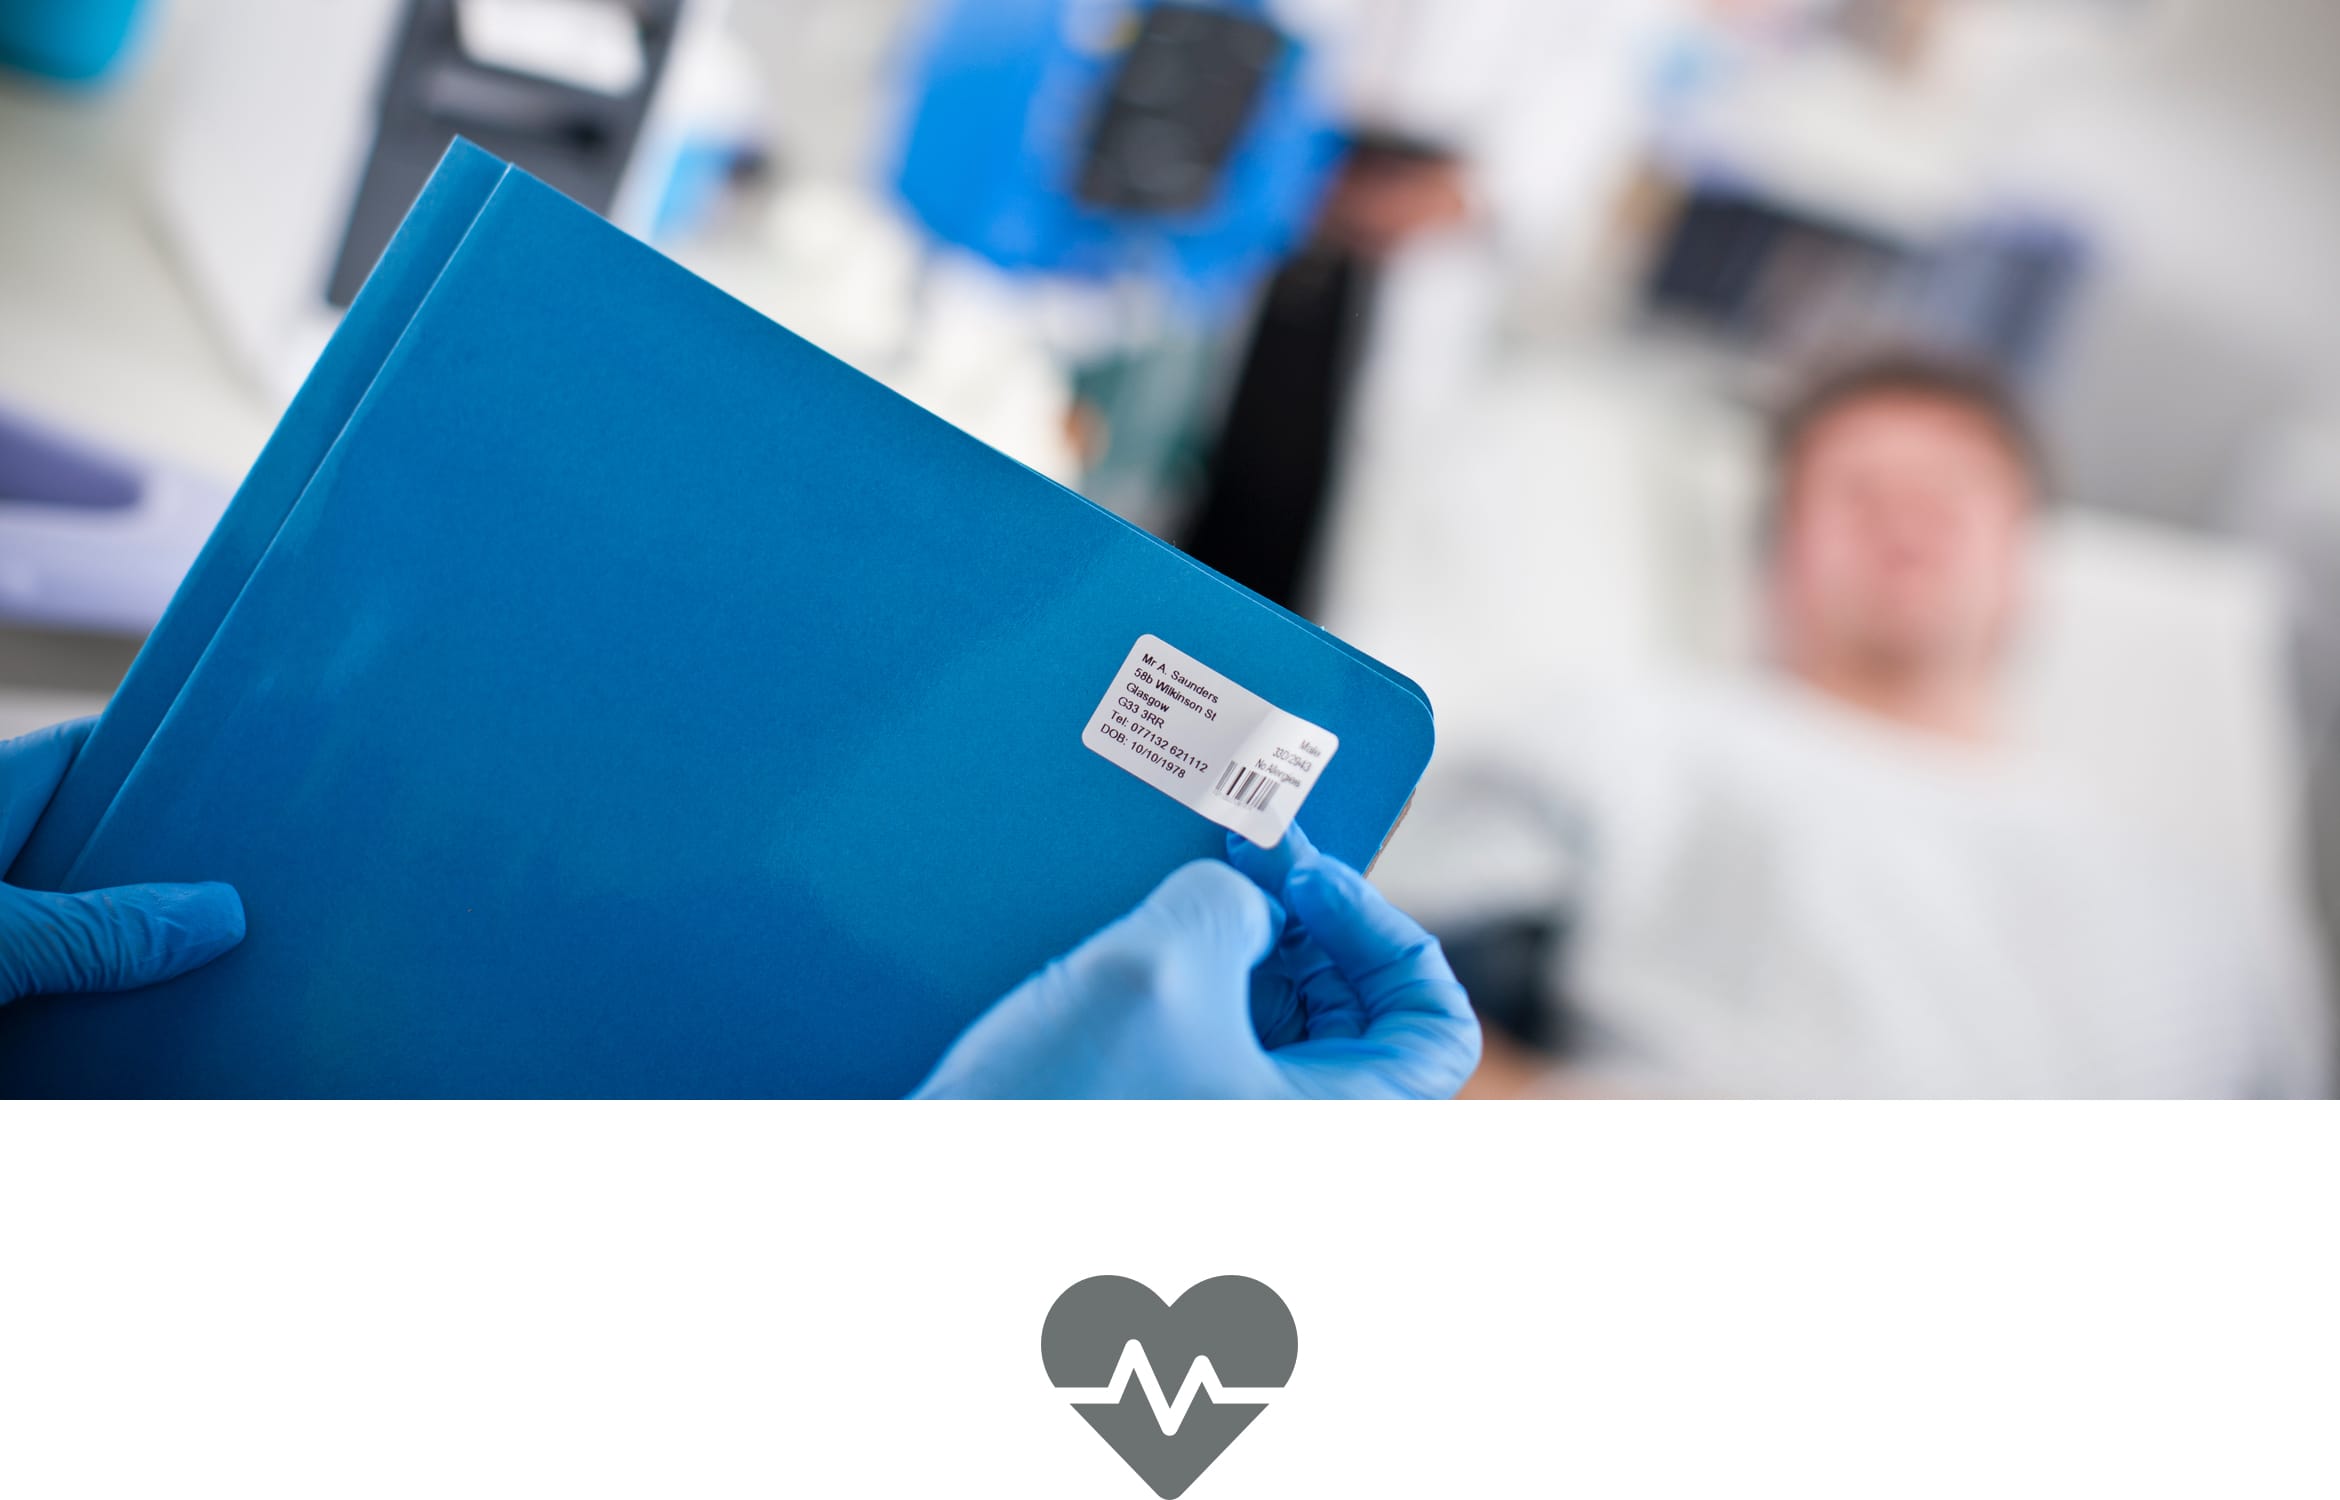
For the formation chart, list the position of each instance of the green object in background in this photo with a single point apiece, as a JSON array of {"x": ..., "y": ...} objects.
[{"x": 72, "y": 41}]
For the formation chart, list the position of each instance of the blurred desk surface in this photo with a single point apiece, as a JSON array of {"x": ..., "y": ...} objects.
[
  {"x": 102, "y": 334},
  {"x": 99, "y": 333}
]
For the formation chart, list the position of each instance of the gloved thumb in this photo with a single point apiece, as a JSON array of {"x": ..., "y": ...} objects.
[
  {"x": 1207, "y": 915},
  {"x": 118, "y": 939}
]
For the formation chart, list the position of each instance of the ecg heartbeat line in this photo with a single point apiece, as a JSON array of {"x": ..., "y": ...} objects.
[{"x": 1169, "y": 1414}]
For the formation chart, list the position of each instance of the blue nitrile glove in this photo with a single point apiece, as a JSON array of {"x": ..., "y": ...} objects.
[
  {"x": 118, "y": 939},
  {"x": 1208, "y": 990}
]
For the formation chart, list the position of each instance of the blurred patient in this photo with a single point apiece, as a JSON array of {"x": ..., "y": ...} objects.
[{"x": 1838, "y": 878}]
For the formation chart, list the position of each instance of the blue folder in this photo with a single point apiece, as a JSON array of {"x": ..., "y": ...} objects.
[{"x": 595, "y": 689}]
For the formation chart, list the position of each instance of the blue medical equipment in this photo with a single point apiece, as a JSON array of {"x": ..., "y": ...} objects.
[
  {"x": 1182, "y": 142},
  {"x": 69, "y": 41}
]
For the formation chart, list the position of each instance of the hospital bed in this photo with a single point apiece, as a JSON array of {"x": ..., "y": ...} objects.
[{"x": 1591, "y": 518}]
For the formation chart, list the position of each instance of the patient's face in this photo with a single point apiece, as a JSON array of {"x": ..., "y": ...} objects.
[{"x": 1903, "y": 539}]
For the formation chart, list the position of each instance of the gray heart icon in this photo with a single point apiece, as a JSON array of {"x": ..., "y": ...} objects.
[{"x": 1169, "y": 1386}]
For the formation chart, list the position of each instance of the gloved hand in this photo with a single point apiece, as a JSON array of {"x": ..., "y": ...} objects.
[
  {"x": 117, "y": 939},
  {"x": 1282, "y": 975}
]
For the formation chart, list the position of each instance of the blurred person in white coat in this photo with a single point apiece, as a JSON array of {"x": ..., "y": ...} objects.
[
  {"x": 1840, "y": 876},
  {"x": 1545, "y": 105},
  {"x": 1488, "y": 139}
]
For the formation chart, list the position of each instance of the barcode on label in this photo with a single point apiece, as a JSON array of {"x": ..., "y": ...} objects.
[{"x": 1248, "y": 787}]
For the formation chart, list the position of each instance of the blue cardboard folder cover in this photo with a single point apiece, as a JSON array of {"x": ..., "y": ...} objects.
[{"x": 595, "y": 689}]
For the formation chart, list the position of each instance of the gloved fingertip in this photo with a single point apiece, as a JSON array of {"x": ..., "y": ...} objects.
[
  {"x": 161, "y": 931},
  {"x": 1328, "y": 880},
  {"x": 209, "y": 916},
  {"x": 1267, "y": 867},
  {"x": 1272, "y": 865}
]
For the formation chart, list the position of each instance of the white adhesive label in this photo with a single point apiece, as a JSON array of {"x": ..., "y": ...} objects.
[{"x": 1229, "y": 754}]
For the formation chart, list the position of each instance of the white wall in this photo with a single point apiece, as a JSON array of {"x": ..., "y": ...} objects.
[{"x": 2206, "y": 162}]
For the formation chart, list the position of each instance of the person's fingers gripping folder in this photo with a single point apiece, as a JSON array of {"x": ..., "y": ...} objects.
[
  {"x": 96, "y": 941},
  {"x": 1283, "y": 975}
]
